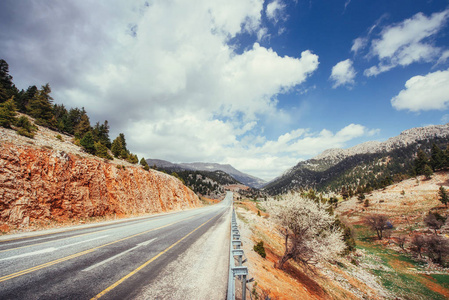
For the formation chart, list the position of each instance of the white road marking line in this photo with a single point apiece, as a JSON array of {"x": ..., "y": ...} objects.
[
  {"x": 51, "y": 249},
  {"x": 118, "y": 255}
]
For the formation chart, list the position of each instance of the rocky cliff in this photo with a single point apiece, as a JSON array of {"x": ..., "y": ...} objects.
[{"x": 38, "y": 183}]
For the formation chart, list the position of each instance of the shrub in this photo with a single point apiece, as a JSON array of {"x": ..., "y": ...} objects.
[
  {"x": 25, "y": 128},
  {"x": 259, "y": 248},
  {"x": 7, "y": 113},
  {"x": 59, "y": 137},
  {"x": 144, "y": 164}
]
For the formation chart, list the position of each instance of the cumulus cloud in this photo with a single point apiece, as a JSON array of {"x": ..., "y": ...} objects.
[
  {"x": 407, "y": 42},
  {"x": 343, "y": 73},
  {"x": 164, "y": 74},
  {"x": 421, "y": 93}
]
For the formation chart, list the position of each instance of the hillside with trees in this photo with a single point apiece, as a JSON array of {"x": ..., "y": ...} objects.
[
  {"x": 366, "y": 170},
  {"x": 16, "y": 106}
]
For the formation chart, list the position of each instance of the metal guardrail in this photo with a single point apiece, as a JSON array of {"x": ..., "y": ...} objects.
[{"x": 236, "y": 270}]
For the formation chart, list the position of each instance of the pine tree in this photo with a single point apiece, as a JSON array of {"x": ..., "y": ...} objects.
[
  {"x": 7, "y": 87},
  {"x": 443, "y": 196},
  {"x": 436, "y": 158},
  {"x": 7, "y": 113},
  {"x": 40, "y": 107},
  {"x": 88, "y": 143},
  {"x": 420, "y": 162},
  {"x": 83, "y": 126},
  {"x": 427, "y": 172},
  {"x": 132, "y": 158},
  {"x": 74, "y": 118},
  {"x": 102, "y": 151},
  {"x": 118, "y": 147},
  {"x": 24, "y": 97},
  {"x": 144, "y": 164},
  {"x": 101, "y": 133}
]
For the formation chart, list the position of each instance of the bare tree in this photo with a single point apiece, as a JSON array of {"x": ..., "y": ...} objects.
[
  {"x": 418, "y": 243},
  {"x": 308, "y": 228},
  {"x": 377, "y": 223},
  {"x": 401, "y": 239},
  {"x": 434, "y": 221},
  {"x": 437, "y": 248}
]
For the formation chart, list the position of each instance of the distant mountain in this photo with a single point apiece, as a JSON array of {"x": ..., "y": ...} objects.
[
  {"x": 206, "y": 183},
  {"x": 245, "y": 179},
  {"x": 370, "y": 162}
]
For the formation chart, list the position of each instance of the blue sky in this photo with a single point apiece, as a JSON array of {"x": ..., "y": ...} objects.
[{"x": 257, "y": 84}]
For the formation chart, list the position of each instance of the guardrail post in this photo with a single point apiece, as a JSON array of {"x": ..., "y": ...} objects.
[{"x": 244, "y": 287}]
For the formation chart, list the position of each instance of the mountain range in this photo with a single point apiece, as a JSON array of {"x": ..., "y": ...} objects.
[
  {"x": 370, "y": 162},
  {"x": 245, "y": 179}
]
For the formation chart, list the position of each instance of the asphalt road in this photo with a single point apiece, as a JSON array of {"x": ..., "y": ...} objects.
[{"x": 171, "y": 256}]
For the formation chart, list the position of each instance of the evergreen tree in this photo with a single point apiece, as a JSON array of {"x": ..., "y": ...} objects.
[
  {"x": 118, "y": 147},
  {"x": 40, "y": 107},
  {"x": 61, "y": 115},
  {"x": 24, "y": 97},
  {"x": 83, "y": 126},
  {"x": 427, "y": 172},
  {"x": 101, "y": 133},
  {"x": 446, "y": 158},
  {"x": 7, "y": 113},
  {"x": 144, "y": 164},
  {"x": 443, "y": 196},
  {"x": 436, "y": 158},
  {"x": 88, "y": 143},
  {"x": 420, "y": 162},
  {"x": 74, "y": 118},
  {"x": 7, "y": 87},
  {"x": 132, "y": 158},
  {"x": 101, "y": 151}
]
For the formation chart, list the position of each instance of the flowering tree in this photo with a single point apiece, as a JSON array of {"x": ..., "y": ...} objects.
[{"x": 309, "y": 230}]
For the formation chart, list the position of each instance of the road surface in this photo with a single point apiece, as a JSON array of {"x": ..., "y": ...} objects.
[{"x": 182, "y": 255}]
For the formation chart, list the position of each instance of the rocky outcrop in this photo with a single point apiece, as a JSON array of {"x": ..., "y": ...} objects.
[{"x": 37, "y": 183}]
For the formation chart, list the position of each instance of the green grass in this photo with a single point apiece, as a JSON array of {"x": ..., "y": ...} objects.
[
  {"x": 442, "y": 279},
  {"x": 396, "y": 279}
]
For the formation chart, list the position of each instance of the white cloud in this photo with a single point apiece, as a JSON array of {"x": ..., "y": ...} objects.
[
  {"x": 359, "y": 44},
  {"x": 407, "y": 42},
  {"x": 276, "y": 11},
  {"x": 343, "y": 73},
  {"x": 444, "y": 57},
  {"x": 173, "y": 85},
  {"x": 429, "y": 92},
  {"x": 262, "y": 34}
]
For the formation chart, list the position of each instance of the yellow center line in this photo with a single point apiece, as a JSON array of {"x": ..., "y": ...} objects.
[
  {"x": 42, "y": 266},
  {"x": 147, "y": 262}
]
